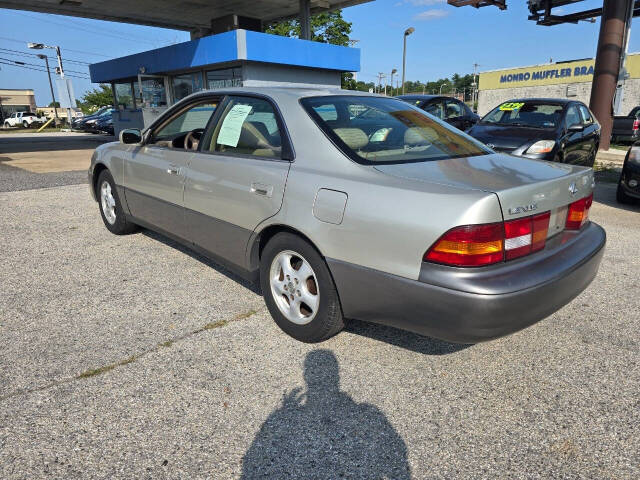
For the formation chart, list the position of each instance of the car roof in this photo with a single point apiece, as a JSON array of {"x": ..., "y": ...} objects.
[
  {"x": 562, "y": 101},
  {"x": 299, "y": 92}
]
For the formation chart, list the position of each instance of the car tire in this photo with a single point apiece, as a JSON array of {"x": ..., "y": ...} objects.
[
  {"x": 303, "y": 301},
  {"x": 622, "y": 197},
  {"x": 110, "y": 206},
  {"x": 7, "y": 125},
  {"x": 25, "y": 124}
]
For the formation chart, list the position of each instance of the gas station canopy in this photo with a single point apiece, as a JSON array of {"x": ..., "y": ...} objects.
[{"x": 190, "y": 15}]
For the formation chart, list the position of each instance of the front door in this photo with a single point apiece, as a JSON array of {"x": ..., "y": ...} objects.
[
  {"x": 572, "y": 142},
  {"x": 237, "y": 179},
  {"x": 154, "y": 174}
]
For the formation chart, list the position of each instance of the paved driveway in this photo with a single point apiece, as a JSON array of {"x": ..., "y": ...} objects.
[{"x": 128, "y": 357}]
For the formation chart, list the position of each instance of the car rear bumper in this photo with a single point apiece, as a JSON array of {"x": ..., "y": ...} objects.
[{"x": 470, "y": 305}]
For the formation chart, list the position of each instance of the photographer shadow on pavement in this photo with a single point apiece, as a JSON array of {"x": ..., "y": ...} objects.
[{"x": 323, "y": 433}]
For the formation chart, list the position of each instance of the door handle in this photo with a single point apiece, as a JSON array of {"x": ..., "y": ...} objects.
[
  {"x": 262, "y": 189},
  {"x": 173, "y": 170}
]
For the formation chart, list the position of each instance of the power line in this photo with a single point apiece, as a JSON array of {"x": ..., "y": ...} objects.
[
  {"x": 122, "y": 36},
  {"x": 24, "y": 42},
  {"x": 18, "y": 52},
  {"x": 2, "y": 62},
  {"x": 36, "y": 65}
]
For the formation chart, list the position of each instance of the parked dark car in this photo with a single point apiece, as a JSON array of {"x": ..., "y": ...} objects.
[
  {"x": 625, "y": 128},
  {"x": 87, "y": 120},
  {"x": 449, "y": 109},
  {"x": 555, "y": 129},
  {"x": 93, "y": 125},
  {"x": 629, "y": 182},
  {"x": 104, "y": 125}
]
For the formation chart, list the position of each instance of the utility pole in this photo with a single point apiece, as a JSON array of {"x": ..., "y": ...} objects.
[
  {"x": 474, "y": 92},
  {"x": 380, "y": 77},
  {"x": 53, "y": 96}
]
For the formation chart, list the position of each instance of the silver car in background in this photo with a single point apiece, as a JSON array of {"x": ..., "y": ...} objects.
[{"x": 350, "y": 205}]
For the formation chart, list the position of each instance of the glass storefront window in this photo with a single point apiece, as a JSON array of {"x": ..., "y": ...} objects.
[
  {"x": 184, "y": 85},
  {"x": 137, "y": 94},
  {"x": 153, "y": 92},
  {"x": 223, "y": 78},
  {"x": 124, "y": 94}
]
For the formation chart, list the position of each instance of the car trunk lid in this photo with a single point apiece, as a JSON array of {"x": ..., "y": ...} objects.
[{"x": 524, "y": 187}]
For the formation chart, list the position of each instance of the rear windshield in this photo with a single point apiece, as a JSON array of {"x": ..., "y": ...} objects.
[
  {"x": 374, "y": 130},
  {"x": 526, "y": 114}
]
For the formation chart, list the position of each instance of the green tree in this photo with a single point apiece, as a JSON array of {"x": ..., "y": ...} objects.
[
  {"x": 54, "y": 104},
  {"x": 326, "y": 27},
  {"x": 96, "y": 98}
]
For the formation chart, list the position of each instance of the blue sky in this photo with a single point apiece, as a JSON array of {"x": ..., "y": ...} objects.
[{"x": 447, "y": 40}]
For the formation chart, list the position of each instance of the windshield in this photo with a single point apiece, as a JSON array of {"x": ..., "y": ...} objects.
[
  {"x": 374, "y": 130},
  {"x": 526, "y": 114}
]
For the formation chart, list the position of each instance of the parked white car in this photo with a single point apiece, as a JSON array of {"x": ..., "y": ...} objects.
[{"x": 25, "y": 119}]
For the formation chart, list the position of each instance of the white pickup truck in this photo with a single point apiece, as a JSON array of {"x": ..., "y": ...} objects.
[{"x": 24, "y": 119}]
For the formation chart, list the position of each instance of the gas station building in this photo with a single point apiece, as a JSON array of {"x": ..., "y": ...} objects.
[{"x": 147, "y": 83}]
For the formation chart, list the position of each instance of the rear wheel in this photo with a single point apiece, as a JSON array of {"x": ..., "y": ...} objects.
[
  {"x": 110, "y": 206},
  {"x": 298, "y": 289},
  {"x": 25, "y": 124}
]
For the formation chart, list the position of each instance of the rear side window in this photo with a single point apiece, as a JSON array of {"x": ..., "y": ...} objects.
[
  {"x": 388, "y": 130},
  {"x": 248, "y": 126}
]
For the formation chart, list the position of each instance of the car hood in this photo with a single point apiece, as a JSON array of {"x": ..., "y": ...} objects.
[
  {"x": 516, "y": 181},
  {"x": 509, "y": 138}
]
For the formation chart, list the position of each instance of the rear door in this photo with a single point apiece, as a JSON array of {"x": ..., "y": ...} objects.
[
  {"x": 591, "y": 134},
  {"x": 237, "y": 179}
]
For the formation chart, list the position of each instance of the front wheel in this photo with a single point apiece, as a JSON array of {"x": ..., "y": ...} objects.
[
  {"x": 298, "y": 289},
  {"x": 110, "y": 206}
]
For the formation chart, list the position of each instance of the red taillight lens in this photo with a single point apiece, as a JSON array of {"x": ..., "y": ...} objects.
[
  {"x": 578, "y": 213},
  {"x": 517, "y": 234},
  {"x": 540, "y": 231},
  {"x": 478, "y": 245},
  {"x": 636, "y": 124},
  {"x": 469, "y": 246}
]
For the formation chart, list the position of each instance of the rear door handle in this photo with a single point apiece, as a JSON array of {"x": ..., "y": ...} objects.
[
  {"x": 262, "y": 189},
  {"x": 173, "y": 170}
]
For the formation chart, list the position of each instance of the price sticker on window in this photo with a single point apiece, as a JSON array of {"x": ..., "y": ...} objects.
[{"x": 510, "y": 106}]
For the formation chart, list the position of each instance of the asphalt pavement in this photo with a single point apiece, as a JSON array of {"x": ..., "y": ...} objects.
[{"x": 129, "y": 357}]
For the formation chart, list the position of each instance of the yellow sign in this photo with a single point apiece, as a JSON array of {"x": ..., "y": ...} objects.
[
  {"x": 567, "y": 72},
  {"x": 510, "y": 106}
]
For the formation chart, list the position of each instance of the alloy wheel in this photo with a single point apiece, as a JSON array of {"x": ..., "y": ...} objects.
[
  {"x": 294, "y": 287},
  {"x": 108, "y": 202}
]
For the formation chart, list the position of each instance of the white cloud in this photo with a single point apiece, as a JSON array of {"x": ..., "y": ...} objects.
[{"x": 432, "y": 14}]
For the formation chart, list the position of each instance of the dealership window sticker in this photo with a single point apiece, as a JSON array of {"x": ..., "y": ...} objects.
[
  {"x": 232, "y": 125},
  {"x": 510, "y": 106}
]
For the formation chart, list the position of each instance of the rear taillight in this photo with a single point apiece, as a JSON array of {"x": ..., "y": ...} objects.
[
  {"x": 636, "y": 125},
  {"x": 469, "y": 246},
  {"x": 578, "y": 213},
  {"x": 478, "y": 245},
  {"x": 525, "y": 235}
]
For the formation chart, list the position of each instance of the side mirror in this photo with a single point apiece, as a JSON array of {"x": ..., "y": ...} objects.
[
  {"x": 576, "y": 127},
  {"x": 130, "y": 136}
]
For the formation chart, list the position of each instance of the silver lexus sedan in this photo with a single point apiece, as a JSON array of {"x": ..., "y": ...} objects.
[{"x": 349, "y": 205}]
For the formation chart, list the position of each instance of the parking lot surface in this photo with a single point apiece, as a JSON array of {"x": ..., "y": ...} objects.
[{"x": 130, "y": 357}]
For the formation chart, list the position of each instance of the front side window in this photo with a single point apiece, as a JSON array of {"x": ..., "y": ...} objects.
[
  {"x": 397, "y": 133},
  {"x": 172, "y": 133},
  {"x": 532, "y": 114},
  {"x": 248, "y": 126},
  {"x": 586, "y": 114},
  {"x": 573, "y": 117}
]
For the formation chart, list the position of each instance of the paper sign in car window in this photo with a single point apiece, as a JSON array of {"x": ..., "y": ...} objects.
[
  {"x": 232, "y": 125},
  {"x": 507, "y": 107}
]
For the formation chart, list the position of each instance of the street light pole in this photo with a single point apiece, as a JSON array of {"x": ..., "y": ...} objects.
[
  {"x": 407, "y": 32},
  {"x": 393, "y": 72},
  {"x": 55, "y": 108},
  {"x": 40, "y": 46},
  {"x": 442, "y": 86}
]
